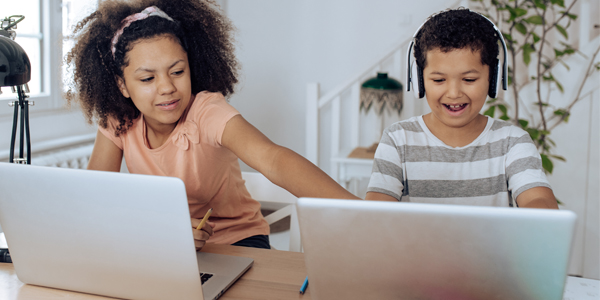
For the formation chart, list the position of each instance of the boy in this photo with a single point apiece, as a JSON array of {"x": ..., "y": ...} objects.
[{"x": 455, "y": 154}]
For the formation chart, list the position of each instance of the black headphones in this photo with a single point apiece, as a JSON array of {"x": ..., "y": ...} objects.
[{"x": 415, "y": 72}]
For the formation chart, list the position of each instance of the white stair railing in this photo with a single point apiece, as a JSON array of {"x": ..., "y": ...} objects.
[{"x": 347, "y": 93}]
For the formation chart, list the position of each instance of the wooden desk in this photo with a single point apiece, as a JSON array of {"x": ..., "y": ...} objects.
[{"x": 275, "y": 275}]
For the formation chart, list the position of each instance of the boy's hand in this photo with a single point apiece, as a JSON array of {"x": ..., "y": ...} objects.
[
  {"x": 202, "y": 235},
  {"x": 537, "y": 197}
]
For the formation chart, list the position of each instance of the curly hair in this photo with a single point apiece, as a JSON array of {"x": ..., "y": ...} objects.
[
  {"x": 205, "y": 34},
  {"x": 457, "y": 29}
]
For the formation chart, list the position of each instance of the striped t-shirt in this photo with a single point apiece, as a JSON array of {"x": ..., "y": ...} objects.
[{"x": 411, "y": 164}]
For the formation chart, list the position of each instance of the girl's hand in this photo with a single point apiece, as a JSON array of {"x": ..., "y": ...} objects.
[{"x": 200, "y": 236}]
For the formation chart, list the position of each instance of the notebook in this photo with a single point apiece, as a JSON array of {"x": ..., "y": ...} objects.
[
  {"x": 392, "y": 250},
  {"x": 112, "y": 234}
]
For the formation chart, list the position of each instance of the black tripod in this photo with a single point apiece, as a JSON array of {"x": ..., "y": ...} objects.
[
  {"x": 15, "y": 71},
  {"x": 23, "y": 104}
]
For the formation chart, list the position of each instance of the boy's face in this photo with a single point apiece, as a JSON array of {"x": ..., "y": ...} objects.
[{"x": 456, "y": 87}]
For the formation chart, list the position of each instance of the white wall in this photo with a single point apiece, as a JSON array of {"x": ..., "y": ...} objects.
[{"x": 283, "y": 45}]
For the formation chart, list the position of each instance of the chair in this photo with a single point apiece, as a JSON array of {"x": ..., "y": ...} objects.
[{"x": 273, "y": 197}]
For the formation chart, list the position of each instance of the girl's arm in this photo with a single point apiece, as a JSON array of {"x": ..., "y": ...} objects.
[
  {"x": 106, "y": 156},
  {"x": 280, "y": 165}
]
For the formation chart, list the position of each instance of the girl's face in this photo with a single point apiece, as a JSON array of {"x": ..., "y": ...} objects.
[{"x": 157, "y": 79}]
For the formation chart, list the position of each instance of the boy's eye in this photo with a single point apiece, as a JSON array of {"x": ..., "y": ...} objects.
[
  {"x": 438, "y": 80},
  {"x": 147, "y": 79},
  {"x": 470, "y": 79}
]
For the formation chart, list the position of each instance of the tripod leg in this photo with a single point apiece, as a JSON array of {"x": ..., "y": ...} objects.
[
  {"x": 27, "y": 136},
  {"x": 13, "y": 137}
]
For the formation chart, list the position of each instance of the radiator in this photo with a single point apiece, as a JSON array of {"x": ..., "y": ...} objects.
[
  {"x": 70, "y": 157},
  {"x": 67, "y": 152}
]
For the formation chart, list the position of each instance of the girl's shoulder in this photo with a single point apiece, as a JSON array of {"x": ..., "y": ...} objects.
[
  {"x": 209, "y": 112},
  {"x": 206, "y": 101}
]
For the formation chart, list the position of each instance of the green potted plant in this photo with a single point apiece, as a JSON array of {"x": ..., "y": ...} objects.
[{"x": 535, "y": 55}]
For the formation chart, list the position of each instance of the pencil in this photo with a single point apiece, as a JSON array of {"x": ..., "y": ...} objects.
[
  {"x": 204, "y": 219},
  {"x": 304, "y": 285}
]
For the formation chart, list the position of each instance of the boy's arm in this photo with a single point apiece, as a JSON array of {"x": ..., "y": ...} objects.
[
  {"x": 379, "y": 197},
  {"x": 537, "y": 197}
]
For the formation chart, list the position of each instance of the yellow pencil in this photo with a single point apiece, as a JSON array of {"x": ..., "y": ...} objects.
[{"x": 204, "y": 219}]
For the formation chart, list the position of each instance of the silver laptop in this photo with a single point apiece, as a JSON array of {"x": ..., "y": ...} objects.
[
  {"x": 385, "y": 250},
  {"x": 113, "y": 234}
]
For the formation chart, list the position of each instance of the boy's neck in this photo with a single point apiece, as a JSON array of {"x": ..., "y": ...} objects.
[{"x": 456, "y": 136}]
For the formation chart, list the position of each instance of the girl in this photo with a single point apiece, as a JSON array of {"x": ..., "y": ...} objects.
[{"x": 154, "y": 74}]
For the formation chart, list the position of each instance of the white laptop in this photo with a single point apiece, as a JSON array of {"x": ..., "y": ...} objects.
[
  {"x": 392, "y": 250},
  {"x": 113, "y": 234}
]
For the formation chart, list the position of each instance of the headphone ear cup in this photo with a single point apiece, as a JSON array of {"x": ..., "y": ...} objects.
[
  {"x": 494, "y": 80},
  {"x": 417, "y": 80},
  {"x": 421, "y": 82}
]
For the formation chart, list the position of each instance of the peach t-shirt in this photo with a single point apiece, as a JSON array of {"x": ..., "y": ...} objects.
[{"x": 194, "y": 154}]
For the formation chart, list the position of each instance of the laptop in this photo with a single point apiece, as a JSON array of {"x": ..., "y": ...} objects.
[
  {"x": 106, "y": 233},
  {"x": 385, "y": 250}
]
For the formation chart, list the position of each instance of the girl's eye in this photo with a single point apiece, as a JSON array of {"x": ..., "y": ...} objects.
[
  {"x": 438, "y": 80},
  {"x": 470, "y": 80},
  {"x": 146, "y": 79},
  {"x": 178, "y": 72}
]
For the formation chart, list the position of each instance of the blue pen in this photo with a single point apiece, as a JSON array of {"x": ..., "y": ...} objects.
[{"x": 304, "y": 285}]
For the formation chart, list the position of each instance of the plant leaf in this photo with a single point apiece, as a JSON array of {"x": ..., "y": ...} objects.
[
  {"x": 523, "y": 123},
  {"x": 521, "y": 28},
  {"x": 560, "y": 3},
  {"x": 536, "y": 38},
  {"x": 565, "y": 65},
  {"x": 527, "y": 50},
  {"x": 558, "y": 53},
  {"x": 490, "y": 111},
  {"x": 534, "y": 133},
  {"x": 562, "y": 31},
  {"x": 559, "y": 157},
  {"x": 519, "y": 12},
  {"x": 540, "y": 4},
  {"x": 560, "y": 112},
  {"x": 537, "y": 20},
  {"x": 504, "y": 118},
  {"x": 502, "y": 108},
  {"x": 559, "y": 86},
  {"x": 547, "y": 163}
]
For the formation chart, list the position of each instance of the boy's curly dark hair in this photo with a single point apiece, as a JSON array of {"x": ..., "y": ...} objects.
[
  {"x": 198, "y": 26},
  {"x": 457, "y": 29}
]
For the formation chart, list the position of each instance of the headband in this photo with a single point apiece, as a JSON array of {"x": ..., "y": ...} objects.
[{"x": 147, "y": 12}]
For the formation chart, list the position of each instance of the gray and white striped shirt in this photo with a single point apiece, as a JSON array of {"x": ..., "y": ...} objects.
[{"x": 411, "y": 164}]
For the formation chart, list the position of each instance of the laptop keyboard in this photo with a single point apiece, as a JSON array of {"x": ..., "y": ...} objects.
[{"x": 205, "y": 277}]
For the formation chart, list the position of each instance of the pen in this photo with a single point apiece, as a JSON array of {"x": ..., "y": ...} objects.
[
  {"x": 304, "y": 285},
  {"x": 204, "y": 219}
]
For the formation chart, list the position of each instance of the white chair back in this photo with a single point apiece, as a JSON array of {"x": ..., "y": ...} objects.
[{"x": 273, "y": 197}]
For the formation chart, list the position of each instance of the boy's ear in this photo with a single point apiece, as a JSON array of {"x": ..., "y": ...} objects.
[{"x": 122, "y": 86}]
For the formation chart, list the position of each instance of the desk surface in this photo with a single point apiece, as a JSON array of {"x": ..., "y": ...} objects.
[{"x": 275, "y": 275}]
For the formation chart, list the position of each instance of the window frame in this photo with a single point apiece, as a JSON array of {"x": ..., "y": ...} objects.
[{"x": 50, "y": 98}]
